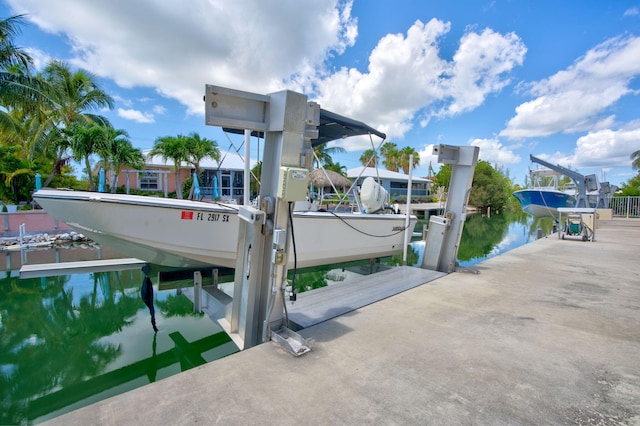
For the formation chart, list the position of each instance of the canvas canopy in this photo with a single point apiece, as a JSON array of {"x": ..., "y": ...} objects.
[{"x": 332, "y": 127}]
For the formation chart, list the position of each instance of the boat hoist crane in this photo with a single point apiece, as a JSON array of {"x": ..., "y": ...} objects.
[{"x": 584, "y": 184}]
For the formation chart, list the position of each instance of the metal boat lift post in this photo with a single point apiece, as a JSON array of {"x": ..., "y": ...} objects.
[
  {"x": 288, "y": 122},
  {"x": 443, "y": 237}
]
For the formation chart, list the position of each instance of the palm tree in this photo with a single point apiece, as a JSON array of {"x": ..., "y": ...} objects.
[
  {"x": 404, "y": 156},
  {"x": 337, "y": 167},
  {"x": 635, "y": 160},
  {"x": 18, "y": 89},
  {"x": 10, "y": 54},
  {"x": 174, "y": 148},
  {"x": 199, "y": 148},
  {"x": 391, "y": 156},
  {"x": 72, "y": 95},
  {"x": 16, "y": 85},
  {"x": 118, "y": 153},
  {"x": 85, "y": 141},
  {"x": 256, "y": 174},
  {"x": 369, "y": 158},
  {"x": 322, "y": 154}
]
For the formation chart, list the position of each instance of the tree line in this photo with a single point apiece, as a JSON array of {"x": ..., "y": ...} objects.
[{"x": 51, "y": 117}]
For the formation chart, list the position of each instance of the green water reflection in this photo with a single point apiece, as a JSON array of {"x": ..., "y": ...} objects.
[
  {"x": 68, "y": 341},
  {"x": 482, "y": 238},
  {"x": 487, "y": 236}
]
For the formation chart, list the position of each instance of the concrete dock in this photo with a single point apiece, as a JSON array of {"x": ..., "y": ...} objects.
[{"x": 548, "y": 333}]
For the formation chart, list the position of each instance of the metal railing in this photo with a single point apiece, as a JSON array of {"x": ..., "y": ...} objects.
[{"x": 628, "y": 206}]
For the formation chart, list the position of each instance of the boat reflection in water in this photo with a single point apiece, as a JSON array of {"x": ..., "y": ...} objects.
[{"x": 69, "y": 341}]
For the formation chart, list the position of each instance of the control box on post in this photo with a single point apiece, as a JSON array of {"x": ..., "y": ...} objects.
[{"x": 292, "y": 184}]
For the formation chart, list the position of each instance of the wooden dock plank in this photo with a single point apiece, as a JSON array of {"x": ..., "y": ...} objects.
[{"x": 337, "y": 299}]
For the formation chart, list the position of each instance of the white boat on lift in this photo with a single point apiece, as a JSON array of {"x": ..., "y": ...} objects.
[
  {"x": 545, "y": 195},
  {"x": 186, "y": 233}
]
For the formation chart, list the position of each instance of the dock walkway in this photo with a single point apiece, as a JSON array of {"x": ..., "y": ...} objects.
[{"x": 548, "y": 333}]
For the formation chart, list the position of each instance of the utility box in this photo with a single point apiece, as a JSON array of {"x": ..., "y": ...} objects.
[
  {"x": 590, "y": 220},
  {"x": 293, "y": 183}
]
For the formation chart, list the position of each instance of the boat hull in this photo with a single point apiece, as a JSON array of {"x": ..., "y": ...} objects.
[
  {"x": 543, "y": 202},
  {"x": 184, "y": 233}
]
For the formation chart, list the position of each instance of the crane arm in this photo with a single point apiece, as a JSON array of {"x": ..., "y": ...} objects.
[{"x": 577, "y": 177}]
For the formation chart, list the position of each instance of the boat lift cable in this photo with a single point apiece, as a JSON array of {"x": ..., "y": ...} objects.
[
  {"x": 335, "y": 190},
  {"x": 368, "y": 161},
  {"x": 366, "y": 233},
  {"x": 353, "y": 184},
  {"x": 375, "y": 152},
  {"x": 546, "y": 182},
  {"x": 237, "y": 150},
  {"x": 293, "y": 295}
]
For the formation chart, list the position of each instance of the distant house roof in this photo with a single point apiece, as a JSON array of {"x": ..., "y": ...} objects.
[
  {"x": 229, "y": 160},
  {"x": 384, "y": 174}
]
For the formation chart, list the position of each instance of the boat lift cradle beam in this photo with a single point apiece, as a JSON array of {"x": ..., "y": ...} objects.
[
  {"x": 583, "y": 183},
  {"x": 289, "y": 123}
]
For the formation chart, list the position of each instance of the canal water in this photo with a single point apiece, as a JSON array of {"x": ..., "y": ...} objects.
[
  {"x": 483, "y": 237},
  {"x": 68, "y": 341},
  {"x": 72, "y": 340}
]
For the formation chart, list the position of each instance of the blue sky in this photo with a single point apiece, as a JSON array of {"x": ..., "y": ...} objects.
[{"x": 555, "y": 79}]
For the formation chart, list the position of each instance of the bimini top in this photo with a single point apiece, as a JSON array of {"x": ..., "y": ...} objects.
[{"x": 332, "y": 127}]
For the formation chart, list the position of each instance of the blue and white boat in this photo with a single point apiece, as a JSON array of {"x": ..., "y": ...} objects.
[{"x": 545, "y": 197}]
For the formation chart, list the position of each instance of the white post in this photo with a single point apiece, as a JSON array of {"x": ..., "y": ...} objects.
[
  {"x": 247, "y": 165},
  {"x": 628, "y": 205},
  {"x": 408, "y": 212},
  {"x": 22, "y": 232},
  {"x": 165, "y": 182}
]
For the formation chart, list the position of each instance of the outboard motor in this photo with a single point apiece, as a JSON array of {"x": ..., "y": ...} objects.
[{"x": 373, "y": 196}]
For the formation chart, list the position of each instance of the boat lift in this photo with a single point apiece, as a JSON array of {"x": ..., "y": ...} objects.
[
  {"x": 290, "y": 125},
  {"x": 583, "y": 184},
  {"x": 288, "y": 122},
  {"x": 443, "y": 237}
]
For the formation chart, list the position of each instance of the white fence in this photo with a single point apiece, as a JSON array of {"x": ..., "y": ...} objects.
[{"x": 625, "y": 206}]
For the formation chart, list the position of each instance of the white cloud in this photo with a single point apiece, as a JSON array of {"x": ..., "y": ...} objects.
[
  {"x": 480, "y": 67},
  {"x": 135, "y": 115},
  {"x": 428, "y": 159},
  {"x": 177, "y": 48},
  {"x": 40, "y": 58},
  {"x": 632, "y": 11},
  {"x": 407, "y": 78},
  {"x": 607, "y": 148},
  {"x": 119, "y": 99},
  {"x": 578, "y": 98},
  {"x": 262, "y": 47},
  {"x": 494, "y": 152},
  {"x": 159, "y": 110},
  {"x": 600, "y": 150}
]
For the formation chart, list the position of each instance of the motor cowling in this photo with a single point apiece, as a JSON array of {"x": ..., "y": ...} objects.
[{"x": 373, "y": 196}]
